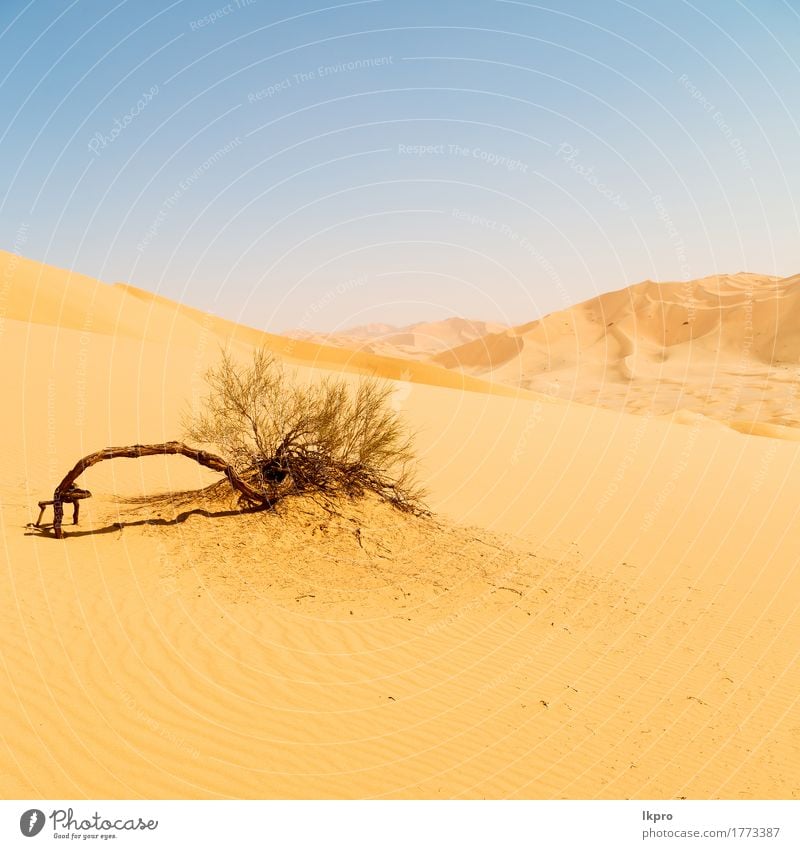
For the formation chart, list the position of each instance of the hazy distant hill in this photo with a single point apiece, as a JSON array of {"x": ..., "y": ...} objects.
[{"x": 416, "y": 341}]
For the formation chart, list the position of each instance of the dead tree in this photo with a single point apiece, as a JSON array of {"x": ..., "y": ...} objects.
[
  {"x": 72, "y": 496},
  {"x": 67, "y": 493}
]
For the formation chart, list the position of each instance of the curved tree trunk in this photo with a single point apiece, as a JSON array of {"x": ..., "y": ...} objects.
[{"x": 204, "y": 458}]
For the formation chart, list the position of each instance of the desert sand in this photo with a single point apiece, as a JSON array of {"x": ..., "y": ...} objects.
[{"x": 603, "y": 605}]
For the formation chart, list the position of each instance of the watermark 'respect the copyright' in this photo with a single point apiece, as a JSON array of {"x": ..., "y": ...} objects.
[{"x": 496, "y": 160}]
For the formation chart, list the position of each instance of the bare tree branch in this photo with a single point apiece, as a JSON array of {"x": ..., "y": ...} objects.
[
  {"x": 324, "y": 437},
  {"x": 65, "y": 489}
]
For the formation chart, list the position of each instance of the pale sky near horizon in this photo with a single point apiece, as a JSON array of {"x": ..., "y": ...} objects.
[{"x": 323, "y": 165}]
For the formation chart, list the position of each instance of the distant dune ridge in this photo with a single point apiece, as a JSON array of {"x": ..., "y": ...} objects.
[
  {"x": 726, "y": 346},
  {"x": 416, "y": 341},
  {"x": 603, "y": 605}
]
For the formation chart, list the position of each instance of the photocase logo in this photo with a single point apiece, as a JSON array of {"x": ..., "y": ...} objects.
[
  {"x": 31, "y": 822},
  {"x": 67, "y": 825}
]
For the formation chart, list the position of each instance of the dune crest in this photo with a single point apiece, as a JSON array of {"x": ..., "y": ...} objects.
[{"x": 36, "y": 293}]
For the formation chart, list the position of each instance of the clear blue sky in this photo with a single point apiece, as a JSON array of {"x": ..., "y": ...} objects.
[{"x": 303, "y": 164}]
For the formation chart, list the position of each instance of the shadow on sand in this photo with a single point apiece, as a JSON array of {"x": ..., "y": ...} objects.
[{"x": 46, "y": 530}]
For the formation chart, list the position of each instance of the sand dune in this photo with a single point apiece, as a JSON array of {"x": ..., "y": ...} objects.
[
  {"x": 725, "y": 346},
  {"x": 604, "y": 605},
  {"x": 38, "y": 294}
]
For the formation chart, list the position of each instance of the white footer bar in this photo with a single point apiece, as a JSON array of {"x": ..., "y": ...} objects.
[{"x": 404, "y": 825}]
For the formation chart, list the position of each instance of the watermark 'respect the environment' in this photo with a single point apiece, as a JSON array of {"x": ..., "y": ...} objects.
[
  {"x": 219, "y": 13},
  {"x": 320, "y": 72},
  {"x": 525, "y": 243},
  {"x": 183, "y": 186}
]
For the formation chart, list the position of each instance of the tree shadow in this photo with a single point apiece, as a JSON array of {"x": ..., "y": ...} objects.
[{"x": 46, "y": 530}]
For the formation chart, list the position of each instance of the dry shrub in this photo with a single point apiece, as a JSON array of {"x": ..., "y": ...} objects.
[{"x": 322, "y": 438}]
